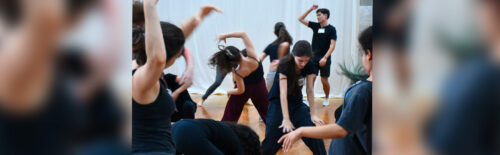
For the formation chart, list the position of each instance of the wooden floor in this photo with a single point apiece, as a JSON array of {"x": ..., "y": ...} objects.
[{"x": 213, "y": 108}]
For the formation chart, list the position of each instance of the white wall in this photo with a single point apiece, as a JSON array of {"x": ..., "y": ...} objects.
[{"x": 257, "y": 18}]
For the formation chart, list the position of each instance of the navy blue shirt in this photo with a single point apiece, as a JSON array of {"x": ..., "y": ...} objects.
[
  {"x": 356, "y": 118},
  {"x": 274, "y": 93},
  {"x": 322, "y": 37},
  {"x": 468, "y": 119}
]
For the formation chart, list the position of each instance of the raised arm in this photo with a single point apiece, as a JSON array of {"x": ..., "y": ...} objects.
[
  {"x": 190, "y": 24},
  {"x": 286, "y": 124},
  {"x": 146, "y": 77},
  {"x": 302, "y": 18},
  {"x": 246, "y": 40}
]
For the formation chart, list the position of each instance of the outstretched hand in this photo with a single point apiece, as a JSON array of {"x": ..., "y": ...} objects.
[
  {"x": 206, "y": 9},
  {"x": 287, "y": 126},
  {"x": 314, "y": 6},
  {"x": 221, "y": 37},
  {"x": 187, "y": 78},
  {"x": 289, "y": 139},
  {"x": 316, "y": 119}
]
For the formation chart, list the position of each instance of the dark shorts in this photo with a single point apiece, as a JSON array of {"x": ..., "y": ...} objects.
[{"x": 325, "y": 70}]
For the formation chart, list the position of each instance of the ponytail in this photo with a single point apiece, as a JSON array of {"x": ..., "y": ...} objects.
[{"x": 282, "y": 34}]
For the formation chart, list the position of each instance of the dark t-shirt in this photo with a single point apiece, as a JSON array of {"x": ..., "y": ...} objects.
[
  {"x": 356, "y": 118},
  {"x": 272, "y": 51},
  {"x": 322, "y": 37},
  {"x": 274, "y": 93}
]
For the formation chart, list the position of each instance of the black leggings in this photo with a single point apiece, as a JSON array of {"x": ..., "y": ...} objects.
[
  {"x": 300, "y": 116},
  {"x": 218, "y": 80}
]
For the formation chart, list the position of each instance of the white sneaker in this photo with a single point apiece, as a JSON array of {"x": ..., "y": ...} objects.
[{"x": 326, "y": 102}]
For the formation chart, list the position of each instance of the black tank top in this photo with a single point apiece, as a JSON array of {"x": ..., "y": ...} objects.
[
  {"x": 151, "y": 124},
  {"x": 254, "y": 77}
]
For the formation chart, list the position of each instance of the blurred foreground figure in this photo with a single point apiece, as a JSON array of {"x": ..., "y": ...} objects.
[
  {"x": 445, "y": 98},
  {"x": 468, "y": 119},
  {"x": 51, "y": 96}
]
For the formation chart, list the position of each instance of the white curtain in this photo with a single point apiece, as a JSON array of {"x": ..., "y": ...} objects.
[{"x": 257, "y": 18}]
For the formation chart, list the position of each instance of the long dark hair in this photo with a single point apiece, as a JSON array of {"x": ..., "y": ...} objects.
[
  {"x": 282, "y": 34},
  {"x": 249, "y": 140},
  {"x": 173, "y": 37},
  {"x": 137, "y": 14},
  {"x": 226, "y": 58},
  {"x": 287, "y": 63}
]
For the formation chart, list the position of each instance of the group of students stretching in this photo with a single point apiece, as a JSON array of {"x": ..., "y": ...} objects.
[{"x": 156, "y": 46}]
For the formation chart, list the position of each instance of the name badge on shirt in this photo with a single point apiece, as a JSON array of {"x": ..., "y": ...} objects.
[
  {"x": 302, "y": 81},
  {"x": 321, "y": 30}
]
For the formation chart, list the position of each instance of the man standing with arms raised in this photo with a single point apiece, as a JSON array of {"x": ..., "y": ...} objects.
[{"x": 323, "y": 44}]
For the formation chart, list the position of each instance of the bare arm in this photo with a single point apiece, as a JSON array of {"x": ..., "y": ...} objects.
[
  {"x": 240, "y": 86},
  {"x": 302, "y": 18},
  {"x": 246, "y": 40},
  {"x": 146, "y": 77},
  {"x": 178, "y": 91},
  {"x": 330, "y": 50},
  {"x": 310, "y": 99},
  {"x": 262, "y": 57},
  {"x": 286, "y": 124},
  {"x": 283, "y": 49},
  {"x": 329, "y": 131},
  {"x": 284, "y": 96},
  {"x": 190, "y": 24},
  {"x": 310, "y": 93},
  {"x": 187, "y": 76}
]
